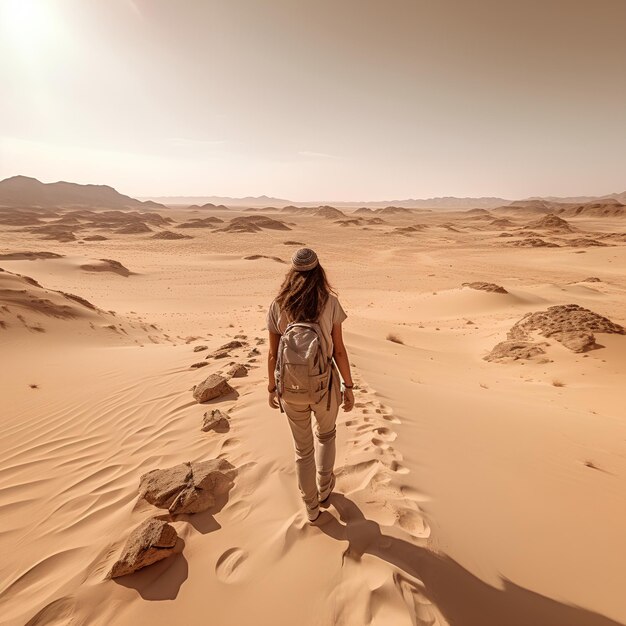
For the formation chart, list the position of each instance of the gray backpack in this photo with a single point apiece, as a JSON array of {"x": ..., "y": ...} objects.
[{"x": 303, "y": 371}]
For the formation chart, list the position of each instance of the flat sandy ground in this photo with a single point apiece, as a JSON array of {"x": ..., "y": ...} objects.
[{"x": 469, "y": 492}]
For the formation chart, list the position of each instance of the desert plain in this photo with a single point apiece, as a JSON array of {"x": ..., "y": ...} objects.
[{"x": 481, "y": 477}]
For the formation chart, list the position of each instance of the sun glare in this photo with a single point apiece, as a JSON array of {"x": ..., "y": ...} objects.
[{"x": 30, "y": 27}]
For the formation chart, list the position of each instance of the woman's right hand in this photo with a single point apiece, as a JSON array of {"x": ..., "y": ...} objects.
[
  {"x": 273, "y": 399},
  {"x": 348, "y": 400}
]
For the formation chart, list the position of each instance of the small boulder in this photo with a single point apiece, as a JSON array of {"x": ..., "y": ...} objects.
[
  {"x": 221, "y": 353},
  {"x": 238, "y": 370},
  {"x": 152, "y": 541},
  {"x": 188, "y": 487},
  {"x": 215, "y": 420},
  {"x": 198, "y": 364},
  {"x": 231, "y": 345},
  {"x": 212, "y": 387},
  {"x": 200, "y": 348}
]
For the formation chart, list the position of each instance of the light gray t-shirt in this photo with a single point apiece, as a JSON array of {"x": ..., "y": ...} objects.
[{"x": 332, "y": 314}]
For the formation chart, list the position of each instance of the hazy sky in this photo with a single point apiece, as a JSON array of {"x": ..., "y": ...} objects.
[{"x": 326, "y": 99}]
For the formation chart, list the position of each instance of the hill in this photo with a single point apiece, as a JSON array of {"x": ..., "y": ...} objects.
[{"x": 23, "y": 191}]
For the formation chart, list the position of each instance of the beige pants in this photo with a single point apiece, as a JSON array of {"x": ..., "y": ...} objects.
[{"x": 315, "y": 457}]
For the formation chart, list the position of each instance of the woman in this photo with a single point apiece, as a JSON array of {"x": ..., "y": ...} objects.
[{"x": 306, "y": 296}]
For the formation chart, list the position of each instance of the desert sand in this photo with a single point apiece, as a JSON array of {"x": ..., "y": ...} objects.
[{"x": 470, "y": 491}]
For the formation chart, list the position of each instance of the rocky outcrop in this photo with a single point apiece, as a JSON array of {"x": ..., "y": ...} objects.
[
  {"x": 570, "y": 324},
  {"x": 189, "y": 487},
  {"x": 212, "y": 387},
  {"x": 513, "y": 351},
  {"x": 584, "y": 242},
  {"x": 532, "y": 242},
  {"x": 490, "y": 287},
  {"x": 152, "y": 541},
  {"x": 107, "y": 265}
]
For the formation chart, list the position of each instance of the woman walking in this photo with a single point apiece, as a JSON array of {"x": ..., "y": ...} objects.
[{"x": 306, "y": 356}]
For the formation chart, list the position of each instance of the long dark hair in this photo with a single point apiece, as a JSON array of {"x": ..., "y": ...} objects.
[{"x": 303, "y": 295}]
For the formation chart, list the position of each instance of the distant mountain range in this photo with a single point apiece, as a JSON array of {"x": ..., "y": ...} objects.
[
  {"x": 247, "y": 202},
  {"x": 620, "y": 197},
  {"x": 444, "y": 203},
  {"x": 279, "y": 203},
  {"x": 23, "y": 191}
]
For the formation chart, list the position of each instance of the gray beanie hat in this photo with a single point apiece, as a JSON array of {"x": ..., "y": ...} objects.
[{"x": 304, "y": 260}]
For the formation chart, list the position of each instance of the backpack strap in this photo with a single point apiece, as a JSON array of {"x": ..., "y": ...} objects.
[{"x": 330, "y": 382}]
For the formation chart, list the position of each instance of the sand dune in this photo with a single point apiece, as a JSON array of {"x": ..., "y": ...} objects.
[
  {"x": 29, "y": 256},
  {"x": 205, "y": 222},
  {"x": 169, "y": 235},
  {"x": 253, "y": 224},
  {"x": 463, "y": 485}
]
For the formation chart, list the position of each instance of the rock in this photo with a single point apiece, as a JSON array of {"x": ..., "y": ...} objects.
[
  {"x": 212, "y": 387},
  {"x": 238, "y": 370},
  {"x": 578, "y": 341},
  {"x": 256, "y": 257},
  {"x": 254, "y": 352},
  {"x": 532, "y": 242},
  {"x": 513, "y": 351},
  {"x": 219, "y": 354},
  {"x": 570, "y": 324},
  {"x": 591, "y": 279},
  {"x": 188, "y": 487},
  {"x": 200, "y": 348},
  {"x": 198, "y": 364},
  {"x": 152, "y": 541},
  {"x": 215, "y": 420},
  {"x": 231, "y": 345},
  {"x": 584, "y": 242},
  {"x": 490, "y": 287}
]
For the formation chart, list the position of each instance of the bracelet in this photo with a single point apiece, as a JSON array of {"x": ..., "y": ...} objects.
[
  {"x": 348, "y": 386},
  {"x": 272, "y": 390}
]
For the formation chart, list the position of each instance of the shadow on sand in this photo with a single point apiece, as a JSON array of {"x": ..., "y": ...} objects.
[{"x": 463, "y": 599}]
